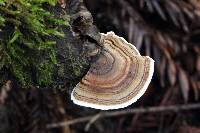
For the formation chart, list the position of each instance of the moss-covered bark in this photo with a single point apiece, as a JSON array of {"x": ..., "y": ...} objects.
[
  {"x": 27, "y": 41},
  {"x": 28, "y": 52},
  {"x": 78, "y": 48},
  {"x": 31, "y": 109}
]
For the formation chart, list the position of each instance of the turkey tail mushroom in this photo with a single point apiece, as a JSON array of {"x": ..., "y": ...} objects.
[{"x": 117, "y": 79}]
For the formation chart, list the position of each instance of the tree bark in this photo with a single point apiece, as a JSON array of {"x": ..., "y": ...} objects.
[{"x": 31, "y": 109}]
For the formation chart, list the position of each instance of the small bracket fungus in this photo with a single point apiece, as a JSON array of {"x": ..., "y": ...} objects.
[{"x": 117, "y": 79}]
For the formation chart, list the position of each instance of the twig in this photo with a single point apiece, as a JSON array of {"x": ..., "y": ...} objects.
[
  {"x": 173, "y": 108},
  {"x": 95, "y": 118}
]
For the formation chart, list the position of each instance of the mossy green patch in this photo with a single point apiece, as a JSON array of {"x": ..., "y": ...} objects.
[{"x": 27, "y": 47}]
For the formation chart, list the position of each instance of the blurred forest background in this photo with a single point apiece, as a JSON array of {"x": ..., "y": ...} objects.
[{"x": 166, "y": 30}]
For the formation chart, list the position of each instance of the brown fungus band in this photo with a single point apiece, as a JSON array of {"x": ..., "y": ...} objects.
[{"x": 117, "y": 79}]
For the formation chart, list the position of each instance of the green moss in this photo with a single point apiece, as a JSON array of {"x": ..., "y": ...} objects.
[
  {"x": 74, "y": 66},
  {"x": 26, "y": 46}
]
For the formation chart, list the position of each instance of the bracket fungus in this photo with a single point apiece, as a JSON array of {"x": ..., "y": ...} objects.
[{"x": 117, "y": 79}]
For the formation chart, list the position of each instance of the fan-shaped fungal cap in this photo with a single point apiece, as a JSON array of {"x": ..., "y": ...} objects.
[{"x": 117, "y": 79}]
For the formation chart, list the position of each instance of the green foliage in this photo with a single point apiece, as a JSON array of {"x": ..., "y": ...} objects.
[{"x": 27, "y": 48}]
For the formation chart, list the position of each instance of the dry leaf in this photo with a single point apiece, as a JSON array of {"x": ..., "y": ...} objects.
[
  {"x": 172, "y": 73},
  {"x": 184, "y": 84},
  {"x": 198, "y": 64},
  {"x": 195, "y": 89},
  {"x": 159, "y": 9},
  {"x": 162, "y": 71}
]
